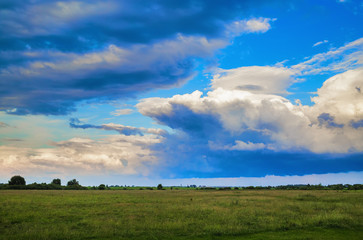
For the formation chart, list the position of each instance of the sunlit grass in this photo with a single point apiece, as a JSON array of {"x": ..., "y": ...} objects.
[{"x": 181, "y": 214}]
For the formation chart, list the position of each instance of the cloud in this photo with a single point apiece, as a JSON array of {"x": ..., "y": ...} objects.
[
  {"x": 319, "y": 43},
  {"x": 254, "y": 25},
  {"x": 255, "y": 79},
  {"x": 349, "y": 56},
  {"x": 242, "y": 127},
  {"x": 109, "y": 73},
  {"x": 54, "y": 54},
  {"x": 227, "y": 116},
  {"x": 120, "y": 112},
  {"x": 340, "y": 96},
  {"x": 239, "y": 145},
  {"x": 125, "y": 130},
  {"x": 120, "y": 154}
]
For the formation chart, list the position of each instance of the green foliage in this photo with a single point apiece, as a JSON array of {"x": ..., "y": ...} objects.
[
  {"x": 17, "y": 180},
  {"x": 159, "y": 187},
  {"x": 73, "y": 182},
  {"x": 102, "y": 187},
  {"x": 56, "y": 181}
]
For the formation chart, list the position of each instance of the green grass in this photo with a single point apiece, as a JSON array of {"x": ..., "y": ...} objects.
[{"x": 181, "y": 214}]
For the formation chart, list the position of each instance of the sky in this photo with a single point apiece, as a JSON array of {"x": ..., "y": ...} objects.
[{"x": 216, "y": 93}]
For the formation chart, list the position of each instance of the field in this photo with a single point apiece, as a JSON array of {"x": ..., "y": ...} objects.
[{"x": 181, "y": 214}]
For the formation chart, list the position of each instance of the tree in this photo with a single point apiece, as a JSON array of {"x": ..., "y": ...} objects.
[
  {"x": 102, "y": 187},
  {"x": 160, "y": 187},
  {"x": 17, "y": 180},
  {"x": 73, "y": 182},
  {"x": 56, "y": 181}
]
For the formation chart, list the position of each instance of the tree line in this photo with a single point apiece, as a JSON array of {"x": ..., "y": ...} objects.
[{"x": 18, "y": 182}]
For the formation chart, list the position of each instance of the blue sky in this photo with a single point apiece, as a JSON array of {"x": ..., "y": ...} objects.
[{"x": 140, "y": 92}]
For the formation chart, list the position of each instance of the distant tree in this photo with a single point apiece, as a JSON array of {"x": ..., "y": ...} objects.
[
  {"x": 17, "y": 180},
  {"x": 56, "y": 181},
  {"x": 159, "y": 187},
  {"x": 102, "y": 187},
  {"x": 73, "y": 182}
]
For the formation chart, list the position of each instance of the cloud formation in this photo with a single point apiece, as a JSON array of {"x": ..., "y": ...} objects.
[
  {"x": 54, "y": 54},
  {"x": 118, "y": 154},
  {"x": 242, "y": 120},
  {"x": 125, "y": 130},
  {"x": 255, "y": 79}
]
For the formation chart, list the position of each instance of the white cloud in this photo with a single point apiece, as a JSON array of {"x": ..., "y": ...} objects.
[
  {"x": 112, "y": 155},
  {"x": 319, "y": 43},
  {"x": 120, "y": 112},
  {"x": 254, "y": 79},
  {"x": 254, "y": 25},
  {"x": 342, "y": 96},
  {"x": 349, "y": 56},
  {"x": 280, "y": 124},
  {"x": 244, "y": 100},
  {"x": 239, "y": 145}
]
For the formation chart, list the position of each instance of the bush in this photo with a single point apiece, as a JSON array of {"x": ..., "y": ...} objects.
[
  {"x": 160, "y": 187},
  {"x": 17, "y": 180},
  {"x": 102, "y": 187}
]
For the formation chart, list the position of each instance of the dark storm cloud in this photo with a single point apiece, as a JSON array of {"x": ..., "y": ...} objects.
[
  {"x": 84, "y": 25},
  {"x": 54, "y": 54}
]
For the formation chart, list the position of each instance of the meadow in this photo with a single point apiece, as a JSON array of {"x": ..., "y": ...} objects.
[{"x": 181, "y": 214}]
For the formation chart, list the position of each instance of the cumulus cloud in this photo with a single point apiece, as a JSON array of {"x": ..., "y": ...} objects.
[
  {"x": 118, "y": 154},
  {"x": 340, "y": 96},
  {"x": 54, "y": 54},
  {"x": 232, "y": 131},
  {"x": 243, "y": 110},
  {"x": 225, "y": 116}
]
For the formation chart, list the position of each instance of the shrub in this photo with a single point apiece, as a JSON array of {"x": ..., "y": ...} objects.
[
  {"x": 159, "y": 187},
  {"x": 102, "y": 187}
]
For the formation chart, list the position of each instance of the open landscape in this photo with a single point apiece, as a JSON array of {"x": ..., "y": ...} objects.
[
  {"x": 181, "y": 119},
  {"x": 181, "y": 214}
]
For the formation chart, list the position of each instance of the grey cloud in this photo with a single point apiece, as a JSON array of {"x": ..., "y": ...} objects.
[
  {"x": 54, "y": 54},
  {"x": 125, "y": 130}
]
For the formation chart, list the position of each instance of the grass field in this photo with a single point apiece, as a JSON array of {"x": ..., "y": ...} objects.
[{"x": 181, "y": 214}]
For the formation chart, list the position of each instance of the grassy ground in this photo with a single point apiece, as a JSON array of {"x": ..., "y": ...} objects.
[{"x": 181, "y": 214}]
